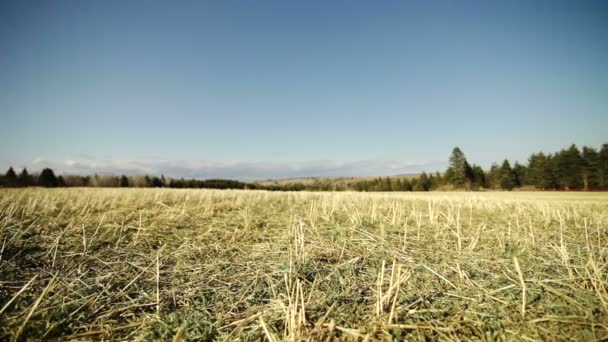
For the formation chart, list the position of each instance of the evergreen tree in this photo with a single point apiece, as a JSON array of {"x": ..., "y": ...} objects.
[
  {"x": 47, "y": 178},
  {"x": 396, "y": 184},
  {"x": 493, "y": 176},
  {"x": 406, "y": 185},
  {"x": 550, "y": 176},
  {"x": 432, "y": 182},
  {"x": 366, "y": 186},
  {"x": 386, "y": 184},
  {"x": 414, "y": 184},
  {"x": 591, "y": 170},
  {"x": 360, "y": 186},
  {"x": 569, "y": 168},
  {"x": 438, "y": 179},
  {"x": 459, "y": 172},
  {"x": 25, "y": 179},
  {"x": 424, "y": 182},
  {"x": 156, "y": 182},
  {"x": 603, "y": 166},
  {"x": 507, "y": 177},
  {"x": 86, "y": 181},
  {"x": 124, "y": 181},
  {"x": 479, "y": 177},
  {"x": 536, "y": 170},
  {"x": 520, "y": 174},
  {"x": 10, "y": 177}
]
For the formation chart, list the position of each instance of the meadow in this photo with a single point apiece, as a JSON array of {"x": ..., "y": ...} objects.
[{"x": 178, "y": 265}]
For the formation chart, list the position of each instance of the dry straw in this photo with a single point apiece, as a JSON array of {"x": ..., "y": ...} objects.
[{"x": 180, "y": 265}]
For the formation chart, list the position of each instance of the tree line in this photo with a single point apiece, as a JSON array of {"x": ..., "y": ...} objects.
[
  {"x": 567, "y": 169},
  {"x": 47, "y": 178}
]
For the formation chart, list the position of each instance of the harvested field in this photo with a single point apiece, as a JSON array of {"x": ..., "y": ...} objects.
[{"x": 159, "y": 264}]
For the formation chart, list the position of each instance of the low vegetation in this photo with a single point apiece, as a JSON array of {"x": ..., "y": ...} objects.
[{"x": 176, "y": 264}]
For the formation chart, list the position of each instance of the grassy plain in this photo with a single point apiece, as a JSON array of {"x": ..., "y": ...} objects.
[{"x": 160, "y": 264}]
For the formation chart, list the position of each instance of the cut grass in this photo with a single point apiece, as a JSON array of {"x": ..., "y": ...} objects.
[{"x": 145, "y": 264}]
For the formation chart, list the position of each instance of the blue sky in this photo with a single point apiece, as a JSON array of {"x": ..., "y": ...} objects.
[{"x": 255, "y": 89}]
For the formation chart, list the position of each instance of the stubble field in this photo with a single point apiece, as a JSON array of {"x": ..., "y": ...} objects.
[{"x": 160, "y": 264}]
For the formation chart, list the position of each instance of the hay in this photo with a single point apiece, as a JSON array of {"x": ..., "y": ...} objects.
[{"x": 160, "y": 264}]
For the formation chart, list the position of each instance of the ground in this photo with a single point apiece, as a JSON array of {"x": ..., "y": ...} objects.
[{"x": 160, "y": 264}]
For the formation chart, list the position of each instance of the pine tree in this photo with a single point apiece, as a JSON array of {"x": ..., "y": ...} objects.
[
  {"x": 414, "y": 184},
  {"x": 406, "y": 184},
  {"x": 424, "y": 183},
  {"x": 438, "y": 179},
  {"x": 479, "y": 177},
  {"x": 25, "y": 179},
  {"x": 603, "y": 166},
  {"x": 86, "y": 180},
  {"x": 550, "y": 176},
  {"x": 156, "y": 182},
  {"x": 536, "y": 166},
  {"x": 507, "y": 178},
  {"x": 493, "y": 176},
  {"x": 397, "y": 185},
  {"x": 47, "y": 178},
  {"x": 10, "y": 177},
  {"x": 591, "y": 170},
  {"x": 520, "y": 173},
  {"x": 459, "y": 172},
  {"x": 432, "y": 182},
  {"x": 569, "y": 168},
  {"x": 124, "y": 181}
]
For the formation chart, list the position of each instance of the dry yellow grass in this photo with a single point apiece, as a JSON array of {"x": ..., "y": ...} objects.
[{"x": 144, "y": 264}]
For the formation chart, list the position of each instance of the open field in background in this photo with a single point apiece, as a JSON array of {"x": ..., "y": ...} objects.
[{"x": 143, "y": 264}]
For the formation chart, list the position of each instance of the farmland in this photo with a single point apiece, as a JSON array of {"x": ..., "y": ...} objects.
[{"x": 167, "y": 264}]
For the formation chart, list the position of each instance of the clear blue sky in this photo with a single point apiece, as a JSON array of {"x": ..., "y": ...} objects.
[{"x": 280, "y": 83}]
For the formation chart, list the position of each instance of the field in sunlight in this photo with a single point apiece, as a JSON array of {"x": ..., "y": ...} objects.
[{"x": 145, "y": 264}]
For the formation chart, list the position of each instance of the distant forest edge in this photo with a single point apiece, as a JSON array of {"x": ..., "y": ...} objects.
[{"x": 568, "y": 169}]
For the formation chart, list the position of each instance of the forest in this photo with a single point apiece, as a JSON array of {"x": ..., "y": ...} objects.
[{"x": 570, "y": 168}]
